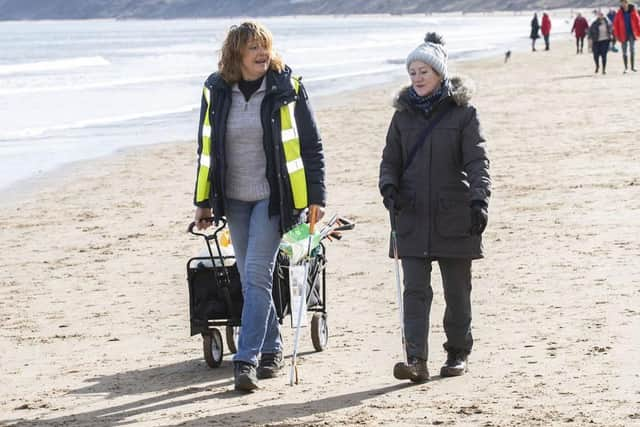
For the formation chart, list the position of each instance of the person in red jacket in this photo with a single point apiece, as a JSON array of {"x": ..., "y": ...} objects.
[
  {"x": 626, "y": 29},
  {"x": 580, "y": 26},
  {"x": 546, "y": 29}
]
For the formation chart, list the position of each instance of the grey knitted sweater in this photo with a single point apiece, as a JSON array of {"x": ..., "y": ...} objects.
[{"x": 246, "y": 174}]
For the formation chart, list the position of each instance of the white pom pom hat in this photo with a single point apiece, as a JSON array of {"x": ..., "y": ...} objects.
[{"x": 431, "y": 52}]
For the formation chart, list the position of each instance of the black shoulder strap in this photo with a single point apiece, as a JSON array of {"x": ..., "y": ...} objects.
[{"x": 423, "y": 138}]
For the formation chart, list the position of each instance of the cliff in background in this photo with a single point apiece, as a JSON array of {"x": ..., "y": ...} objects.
[{"x": 167, "y": 9}]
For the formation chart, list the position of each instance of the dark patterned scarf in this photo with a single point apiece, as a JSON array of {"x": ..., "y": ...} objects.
[{"x": 426, "y": 103}]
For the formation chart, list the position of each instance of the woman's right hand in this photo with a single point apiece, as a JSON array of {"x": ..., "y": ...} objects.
[
  {"x": 390, "y": 196},
  {"x": 202, "y": 213}
]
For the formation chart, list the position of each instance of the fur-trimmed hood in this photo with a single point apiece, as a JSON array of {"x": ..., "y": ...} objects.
[{"x": 462, "y": 89}]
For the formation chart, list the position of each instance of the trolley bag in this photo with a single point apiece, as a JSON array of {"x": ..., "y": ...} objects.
[
  {"x": 208, "y": 289},
  {"x": 215, "y": 290}
]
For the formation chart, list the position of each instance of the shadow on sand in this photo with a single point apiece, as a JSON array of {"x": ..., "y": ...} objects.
[
  {"x": 176, "y": 385},
  {"x": 184, "y": 383},
  {"x": 276, "y": 414},
  {"x": 576, "y": 77}
]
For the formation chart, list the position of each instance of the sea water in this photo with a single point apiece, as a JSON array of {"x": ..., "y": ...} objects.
[{"x": 75, "y": 90}]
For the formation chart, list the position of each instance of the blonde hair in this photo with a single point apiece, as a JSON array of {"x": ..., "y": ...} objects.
[{"x": 238, "y": 37}]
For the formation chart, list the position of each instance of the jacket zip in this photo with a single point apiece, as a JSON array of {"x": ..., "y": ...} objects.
[
  {"x": 431, "y": 215},
  {"x": 278, "y": 164},
  {"x": 223, "y": 166},
  {"x": 271, "y": 124},
  {"x": 432, "y": 218}
]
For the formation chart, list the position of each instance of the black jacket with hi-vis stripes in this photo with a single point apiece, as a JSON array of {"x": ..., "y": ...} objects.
[{"x": 280, "y": 91}]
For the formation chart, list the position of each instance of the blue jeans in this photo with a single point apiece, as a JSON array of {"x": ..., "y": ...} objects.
[{"x": 255, "y": 239}]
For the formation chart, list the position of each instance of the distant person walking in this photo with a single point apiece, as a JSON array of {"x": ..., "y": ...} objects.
[
  {"x": 535, "y": 31},
  {"x": 546, "y": 29},
  {"x": 611, "y": 16},
  {"x": 600, "y": 34},
  {"x": 626, "y": 28},
  {"x": 439, "y": 202},
  {"x": 580, "y": 26}
]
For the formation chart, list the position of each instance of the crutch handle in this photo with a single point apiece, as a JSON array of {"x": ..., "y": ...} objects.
[{"x": 392, "y": 215}]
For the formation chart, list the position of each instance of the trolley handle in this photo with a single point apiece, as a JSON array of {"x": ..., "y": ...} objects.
[
  {"x": 343, "y": 224},
  {"x": 346, "y": 225},
  {"x": 220, "y": 224}
]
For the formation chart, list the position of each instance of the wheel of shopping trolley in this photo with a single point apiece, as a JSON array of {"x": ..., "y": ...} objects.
[
  {"x": 319, "y": 331},
  {"x": 212, "y": 346},
  {"x": 233, "y": 335}
]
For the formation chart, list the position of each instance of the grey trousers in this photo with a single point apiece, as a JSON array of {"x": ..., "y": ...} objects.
[
  {"x": 418, "y": 295},
  {"x": 631, "y": 43}
]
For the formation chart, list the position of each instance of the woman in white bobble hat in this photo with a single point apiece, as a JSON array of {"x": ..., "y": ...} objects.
[{"x": 434, "y": 179}]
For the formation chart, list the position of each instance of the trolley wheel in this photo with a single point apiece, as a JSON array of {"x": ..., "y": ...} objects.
[
  {"x": 212, "y": 346},
  {"x": 233, "y": 335},
  {"x": 319, "y": 331}
]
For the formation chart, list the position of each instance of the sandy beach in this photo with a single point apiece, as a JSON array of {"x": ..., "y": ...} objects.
[{"x": 94, "y": 302}]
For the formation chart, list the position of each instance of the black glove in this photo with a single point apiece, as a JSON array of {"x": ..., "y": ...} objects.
[
  {"x": 479, "y": 217},
  {"x": 390, "y": 197}
]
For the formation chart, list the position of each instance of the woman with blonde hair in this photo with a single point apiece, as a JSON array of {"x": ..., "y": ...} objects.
[{"x": 260, "y": 165}]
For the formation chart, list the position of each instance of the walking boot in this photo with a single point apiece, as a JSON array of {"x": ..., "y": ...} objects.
[
  {"x": 633, "y": 64},
  {"x": 245, "y": 378},
  {"x": 624, "y": 59},
  {"x": 414, "y": 370},
  {"x": 455, "y": 365},
  {"x": 271, "y": 365},
  {"x": 597, "y": 69}
]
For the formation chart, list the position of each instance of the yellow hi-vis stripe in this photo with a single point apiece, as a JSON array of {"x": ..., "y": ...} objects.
[
  {"x": 203, "y": 186},
  {"x": 292, "y": 152}
]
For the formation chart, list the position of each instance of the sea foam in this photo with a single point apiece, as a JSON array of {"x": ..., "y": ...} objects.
[{"x": 54, "y": 65}]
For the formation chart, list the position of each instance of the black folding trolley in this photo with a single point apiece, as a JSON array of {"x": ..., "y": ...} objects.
[{"x": 215, "y": 291}]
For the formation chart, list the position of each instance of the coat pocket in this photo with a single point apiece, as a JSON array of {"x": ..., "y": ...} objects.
[
  {"x": 453, "y": 216},
  {"x": 407, "y": 215},
  {"x": 406, "y": 221}
]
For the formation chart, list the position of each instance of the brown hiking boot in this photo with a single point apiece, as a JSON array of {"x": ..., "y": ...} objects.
[
  {"x": 455, "y": 365},
  {"x": 414, "y": 370}
]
